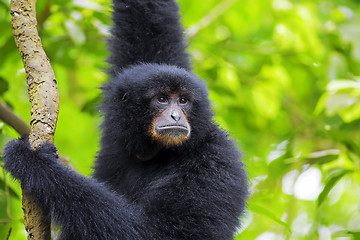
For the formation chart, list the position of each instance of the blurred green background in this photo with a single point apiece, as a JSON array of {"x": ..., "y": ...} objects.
[{"x": 284, "y": 78}]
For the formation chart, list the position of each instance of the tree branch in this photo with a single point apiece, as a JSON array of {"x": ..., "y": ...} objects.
[
  {"x": 8, "y": 236},
  {"x": 12, "y": 119},
  {"x": 43, "y": 95}
]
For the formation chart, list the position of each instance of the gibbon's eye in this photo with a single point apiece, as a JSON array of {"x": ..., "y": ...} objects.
[
  {"x": 162, "y": 99},
  {"x": 183, "y": 100}
]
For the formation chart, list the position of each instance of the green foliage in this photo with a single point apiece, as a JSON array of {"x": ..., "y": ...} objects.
[{"x": 284, "y": 78}]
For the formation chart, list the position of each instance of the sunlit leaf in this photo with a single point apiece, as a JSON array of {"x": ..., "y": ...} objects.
[
  {"x": 338, "y": 102},
  {"x": 322, "y": 157},
  {"x": 321, "y": 104},
  {"x": 331, "y": 182},
  {"x": 266, "y": 99},
  {"x": 342, "y": 84},
  {"x": 337, "y": 67},
  {"x": 279, "y": 167},
  {"x": 75, "y": 32},
  {"x": 267, "y": 213},
  {"x": 351, "y": 113}
]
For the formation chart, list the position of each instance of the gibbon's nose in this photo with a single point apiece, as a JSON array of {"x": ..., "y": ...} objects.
[{"x": 175, "y": 115}]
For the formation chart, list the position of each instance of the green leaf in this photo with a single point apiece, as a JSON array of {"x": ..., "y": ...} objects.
[
  {"x": 11, "y": 191},
  {"x": 279, "y": 167},
  {"x": 331, "y": 182},
  {"x": 265, "y": 212},
  {"x": 337, "y": 85},
  {"x": 355, "y": 234},
  {"x": 351, "y": 113},
  {"x": 344, "y": 233},
  {"x": 4, "y": 85},
  {"x": 345, "y": 139},
  {"x": 338, "y": 102},
  {"x": 322, "y": 157}
]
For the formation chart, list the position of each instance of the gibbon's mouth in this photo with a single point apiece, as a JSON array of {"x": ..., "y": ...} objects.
[
  {"x": 173, "y": 131},
  {"x": 173, "y": 127}
]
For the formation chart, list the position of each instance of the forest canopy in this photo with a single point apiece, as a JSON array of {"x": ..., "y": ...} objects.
[{"x": 284, "y": 80}]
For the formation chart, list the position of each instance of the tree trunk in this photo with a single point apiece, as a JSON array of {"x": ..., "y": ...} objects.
[{"x": 43, "y": 95}]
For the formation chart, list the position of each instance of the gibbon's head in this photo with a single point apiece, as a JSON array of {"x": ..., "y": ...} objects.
[{"x": 164, "y": 104}]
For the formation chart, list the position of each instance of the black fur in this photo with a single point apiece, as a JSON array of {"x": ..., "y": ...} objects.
[
  {"x": 196, "y": 190},
  {"x": 147, "y": 32}
]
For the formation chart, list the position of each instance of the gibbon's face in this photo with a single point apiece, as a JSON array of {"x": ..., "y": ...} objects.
[
  {"x": 167, "y": 104},
  {"x": 170, "y": 125}
]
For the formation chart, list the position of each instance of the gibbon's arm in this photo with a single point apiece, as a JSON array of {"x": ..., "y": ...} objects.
[
  {"x": 147, "y": 31},
  {"x": 84, "y": 208},
  {"x": 199, "y": 203}
]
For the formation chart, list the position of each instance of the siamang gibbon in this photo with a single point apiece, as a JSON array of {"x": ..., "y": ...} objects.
[{"x": 165, "y": 169}]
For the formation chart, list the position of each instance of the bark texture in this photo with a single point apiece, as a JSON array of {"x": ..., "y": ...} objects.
[{"x": 43, "y": 95}]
